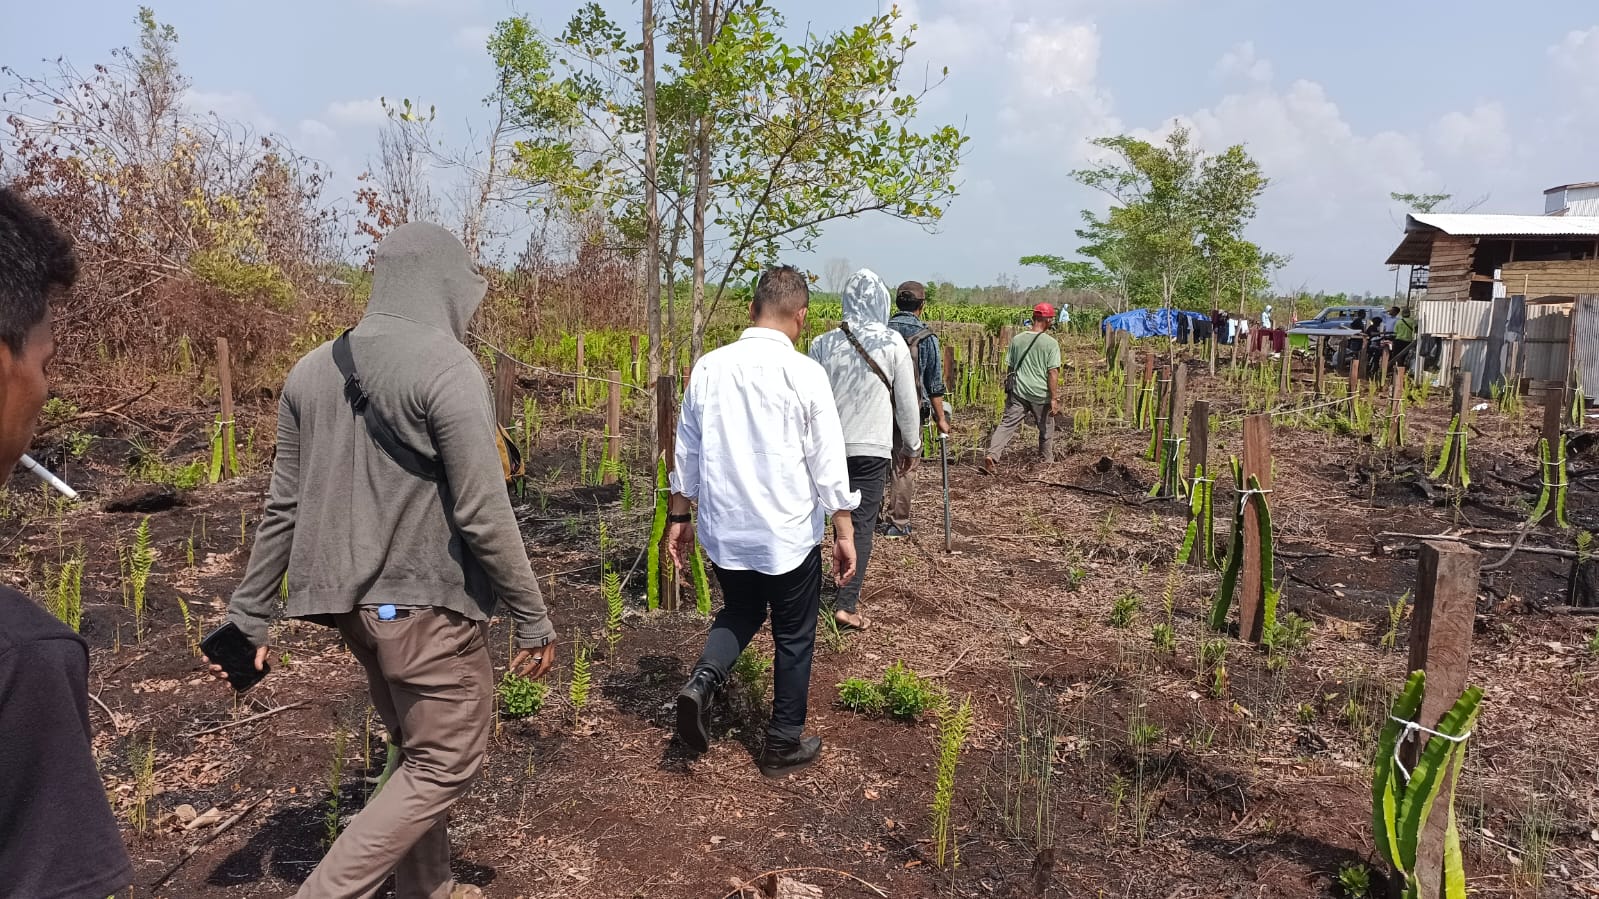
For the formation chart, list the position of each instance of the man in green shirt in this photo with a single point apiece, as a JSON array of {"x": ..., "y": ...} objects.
[
  {"x": 1404, "y": 335},
  {"x": 1034, "y": 357}
]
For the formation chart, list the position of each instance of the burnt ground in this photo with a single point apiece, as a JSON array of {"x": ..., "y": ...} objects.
[{"x": 1167, "y": 777}]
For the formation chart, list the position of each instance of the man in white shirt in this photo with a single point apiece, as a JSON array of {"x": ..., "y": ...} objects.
[
  {"x": 874, "y": 386},
  {"x": 761, "y": 451}
]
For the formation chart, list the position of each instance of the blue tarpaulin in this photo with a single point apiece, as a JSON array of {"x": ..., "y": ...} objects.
[{"x": 1149, "y": 322}]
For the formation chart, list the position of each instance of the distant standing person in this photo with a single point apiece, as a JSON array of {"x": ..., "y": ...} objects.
[
  {"x": 1034, "y": 360},
  {"x": 874, "y": 385},
  {"x": 1404, "y": 334},
  {"x": 58, "y": 839},
  {"x": 928, "y": 357},
  {"x": 407, "y": 564},
  {"x": 760, "y": 449}
]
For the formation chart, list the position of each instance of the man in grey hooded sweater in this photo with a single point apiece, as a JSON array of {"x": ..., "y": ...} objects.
[
  {"x": 407, "y": 568},
  {"x": 878, "y": 407}
]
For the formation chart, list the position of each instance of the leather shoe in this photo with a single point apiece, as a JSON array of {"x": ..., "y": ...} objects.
[
  {"x": 694, "y": 710},
  {"x": 778, "y": 759}
]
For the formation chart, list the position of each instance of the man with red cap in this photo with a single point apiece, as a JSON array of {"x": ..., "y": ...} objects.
[{"x": 1031, "y": 388}]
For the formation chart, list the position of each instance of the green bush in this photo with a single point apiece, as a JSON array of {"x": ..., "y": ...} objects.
[
  {"x": 901, "y": 694},
  {"x": 520, "y": 697},
  {"x": 860, "y": 696}
]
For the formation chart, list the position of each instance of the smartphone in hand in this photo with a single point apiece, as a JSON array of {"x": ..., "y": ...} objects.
[{"x": 229, "y": 647}]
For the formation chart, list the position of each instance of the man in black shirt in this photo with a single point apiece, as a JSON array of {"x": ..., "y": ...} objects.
[{"x": 58, "y": 839}]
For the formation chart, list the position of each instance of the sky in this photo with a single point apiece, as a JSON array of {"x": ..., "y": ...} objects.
[{"x": 1340, "y": 103}]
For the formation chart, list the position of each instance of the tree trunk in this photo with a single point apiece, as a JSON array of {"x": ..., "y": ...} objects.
[
  {"x": 652, "y": 212},
  {"x": 702, "y": 193}
]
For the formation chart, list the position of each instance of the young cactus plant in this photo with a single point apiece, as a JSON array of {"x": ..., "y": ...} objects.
[
  {"x": 1452, "y": 458},
  {"x": 1201, "y": 523},
  {"x": 1554, "y": 483},
  {"x": 652, "y": 576},
  {"x": 1235, "y": 557},
  {"x": 1402, "y": 804}
]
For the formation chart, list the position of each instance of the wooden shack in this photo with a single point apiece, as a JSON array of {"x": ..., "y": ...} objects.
[{"x": 1479, "y": 257}]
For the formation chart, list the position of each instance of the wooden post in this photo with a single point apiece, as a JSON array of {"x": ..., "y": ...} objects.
[
  {"x": 1382, "y": 373},
  {"x": 949, "y": 365},
  {"x": 632, "y": 340},
  {"x": 1396, "y": 405},
  {"x": 1354, "y": 380},
  {"x": 1130, "y": 405},
  {"x": 577, "y": 383},
  {"x": 504, "y": 389},
  {"x": 230, "y": 464},
  {"x": 1460, "y": 395},
  {"x": 666, "y": 421},
  {"x": 1440, "y": 644},
  {"x": 1321, "y": 364},
  {"x": 1287, "y": 380},
  {"x": 1213, "y": 339},
  {"x": 666, "y": 447},
  {"x": 1162, "y": 390},
  {"x": 1252, "y": 589},
  {"x": 1236, "y": 341},
  {"x": 613, "y": 428},
  {"x": 1199, "y": 458},
  {"x": 1554, "y": 411},
  {"x": 1175, "y": 407}
]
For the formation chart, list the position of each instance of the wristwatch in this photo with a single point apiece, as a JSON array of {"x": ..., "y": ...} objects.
[{"x": 684, "y": 518}]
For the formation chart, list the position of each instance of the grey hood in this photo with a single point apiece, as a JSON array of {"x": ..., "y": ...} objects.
[
  {"x": 422, "y": 273},
  {"x": 865, "y": 299}
]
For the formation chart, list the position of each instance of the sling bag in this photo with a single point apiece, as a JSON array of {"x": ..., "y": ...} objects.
[
  {"x": 914, "y": 344},
  {"x": 389, "y": 442},
  {"x": 1010, "y": 373},
  {"x": 893, "y": 409}
]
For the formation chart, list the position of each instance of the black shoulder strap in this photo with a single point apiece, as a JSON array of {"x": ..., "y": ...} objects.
[
  {"x": 1018, "y": 365},
  {"x": 378, "y": 429}
]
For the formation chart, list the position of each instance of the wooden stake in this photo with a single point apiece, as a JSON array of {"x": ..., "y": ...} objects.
[
  {"x": 666, "y": 447},
  {"x": 1440, "y": 644},
  {"x": 1382, "y": 373},
  {"x": 1252, "y": 589},
  {"x": 949, "y": 365},
  {"x": 632, "y": 340},
  {"x": 1213, "y": 338},
  {"x": 225, "y": 388},
  {"x": 1287, "y": 379},
  {"x": 1199, "y": 456},
  {"x": 613, "y": 428},
  {"x": 1130, "y": 405},
  {"x": 1321, "y": 365},
  {"x": 577, "y": 383},
  {"x": 1554, "y": 411},
  {"x": 1396, "y": 405},
  {"x": 666, "y": 421},
  {"x": 1354, "y": 380},
  {"x": 1162, "y": 389},
  {"x": 504, "y": 389}
]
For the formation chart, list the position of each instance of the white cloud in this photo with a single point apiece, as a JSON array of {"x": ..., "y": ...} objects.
[
  {"x": 232, "y": 106},
  {"x": 472, "y": 38},
  {"x": 1483, "y": 134},
  {"x": 1242, "y": 62},
  {"x": 1578, "y": 53},
  {"x": 357, "y": 112},
  {"x": 1055, "y": 102}
]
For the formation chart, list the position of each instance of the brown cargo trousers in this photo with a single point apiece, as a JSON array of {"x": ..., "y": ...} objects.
[
  {"x": 1017, "y": 409},
  {"x": 432, "y": 684}
]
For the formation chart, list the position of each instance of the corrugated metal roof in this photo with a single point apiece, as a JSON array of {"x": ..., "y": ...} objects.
[
  {"x": 1577, "y": 186},
  {"x": 1476, "y": 225},
  {"x": 1416, "y": 248}
]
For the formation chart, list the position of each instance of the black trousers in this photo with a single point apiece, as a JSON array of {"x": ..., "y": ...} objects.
[
  {"x": 794, "y": 599},
  {"x": 868, "y": 474}
]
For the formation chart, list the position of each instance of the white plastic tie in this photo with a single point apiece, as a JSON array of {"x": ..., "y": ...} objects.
[{"x": 1411, "y": 729}]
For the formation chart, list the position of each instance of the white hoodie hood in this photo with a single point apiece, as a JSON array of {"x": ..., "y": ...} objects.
[{"x": 863, "y": 402}]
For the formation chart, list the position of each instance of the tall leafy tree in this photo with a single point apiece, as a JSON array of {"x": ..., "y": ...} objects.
[
  {"x": 1177, "y": 222},
  {"x": 777, "y": 138}
]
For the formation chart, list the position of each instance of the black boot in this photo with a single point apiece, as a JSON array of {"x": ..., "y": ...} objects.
[
  {"x": 785, "y": 757},
  {"x": 694, "y": 709}
]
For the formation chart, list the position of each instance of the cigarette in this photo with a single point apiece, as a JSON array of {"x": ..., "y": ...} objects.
[{"x": 49, "y": 478}]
